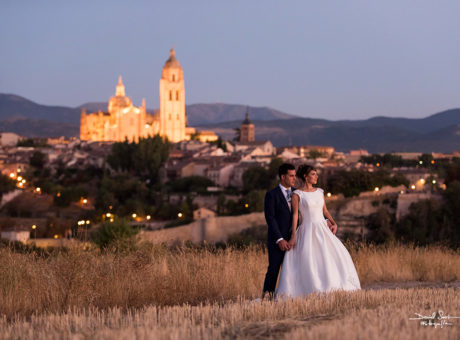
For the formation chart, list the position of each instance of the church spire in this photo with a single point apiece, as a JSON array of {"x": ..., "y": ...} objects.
[
  {"x": 120, "y": 91},
  {"x": 247, "y": 120}
]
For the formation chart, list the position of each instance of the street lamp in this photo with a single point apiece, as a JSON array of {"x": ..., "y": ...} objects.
[
  {"x": 179, "y": 215},
  {"x": 34, "y": 228}
]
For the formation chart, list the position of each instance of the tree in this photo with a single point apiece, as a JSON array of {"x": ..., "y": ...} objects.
[
  {"x": 37, "y": 160},
  {"x": 6, "y": 185},
  {"x": 453, "y": 174},
  {"x": 142, "y": 159},
  {"x": 424, "y": 224},
  {"x": 380, "y": 226},
  {"x": 191, "y": 184},
  {"x": 314, "y": 154},
  {"x": 256, "y": 178},
  {"x": 237, "y": 137},
  {"x": 220, "y": 144},
  {"x": 255, "y": 200},
  {"x": 117, "y": 236}
]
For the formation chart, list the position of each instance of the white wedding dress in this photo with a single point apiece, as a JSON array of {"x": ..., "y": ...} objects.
[{"x": 319, "y": 261}]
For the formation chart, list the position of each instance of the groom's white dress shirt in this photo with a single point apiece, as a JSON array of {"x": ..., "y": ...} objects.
[{"x": 287, "y": 192}]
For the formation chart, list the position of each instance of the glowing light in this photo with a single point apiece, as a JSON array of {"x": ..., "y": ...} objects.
[
  {"x": 58, "y": 194},
  {"x": 56, "y": 236},
  {"x": 12, "y": 175},
  {"x": 422, "y": 180},
  {"x": 38, "y": 189},
  {"x": 376, "y": 189},
  {"x": 34, "y": 226},
  {"x": 179, "y": 215},
  {"x": 378, "y": 164},
  {"x": 402, "y": 192},
  {"x": 148, "y": 217},
  {"x": 421, "y": 162},
  {"x": 108, "y": 214},
  {"x": 147, "y": 126},
  {"x": 246, "y": 205},
  {"x": 19, "y": 178},
  {"x": 412, "y": 187},
  {"x": 20, "y": 184},
  {"x": 432, "y": 161},
  {"x": 18, "y": 170},
  {"x": 85, "y": 201},
  {"x": 433, "y": 181},
  {"x": 329, "y": 194},
  {"x": 23, "y": 181},
  {"x": 88, "y": 221},
  {"x": 111, "y": 220},
  {"x": 134, "y": 215}
]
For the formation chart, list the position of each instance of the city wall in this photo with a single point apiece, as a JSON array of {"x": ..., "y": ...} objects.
[{"x": 211, "y": 229}]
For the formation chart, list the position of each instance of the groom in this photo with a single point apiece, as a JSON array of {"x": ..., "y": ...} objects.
[{"x": 278, "y": 215}]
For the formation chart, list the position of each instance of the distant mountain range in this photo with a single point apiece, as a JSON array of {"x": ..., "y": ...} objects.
[{"x": 436, "y": 133}]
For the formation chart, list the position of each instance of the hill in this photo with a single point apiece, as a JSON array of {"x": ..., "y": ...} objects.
[{"x": 439, "y": 132}]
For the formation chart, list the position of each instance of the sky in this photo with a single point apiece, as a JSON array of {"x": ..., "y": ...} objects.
[{"x": 338, "y": 59}]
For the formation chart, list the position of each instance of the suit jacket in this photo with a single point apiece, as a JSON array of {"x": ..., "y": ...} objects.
[{"x": 278, "y": 215}]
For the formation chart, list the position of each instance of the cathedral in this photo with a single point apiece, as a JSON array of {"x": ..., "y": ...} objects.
[{"x": 123, "y": 120}]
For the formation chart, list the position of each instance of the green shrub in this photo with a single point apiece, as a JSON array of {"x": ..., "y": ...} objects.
[{"x": 117, "y": 236}]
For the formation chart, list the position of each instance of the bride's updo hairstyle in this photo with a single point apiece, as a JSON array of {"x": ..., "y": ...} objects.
[{"x": 303, "y": 171}]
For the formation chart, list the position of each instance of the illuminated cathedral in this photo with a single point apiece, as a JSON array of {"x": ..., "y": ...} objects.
[{"x": 123, "y": 120}]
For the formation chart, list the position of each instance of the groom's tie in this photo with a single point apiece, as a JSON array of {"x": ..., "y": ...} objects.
[{"x": 288, "y": 195}]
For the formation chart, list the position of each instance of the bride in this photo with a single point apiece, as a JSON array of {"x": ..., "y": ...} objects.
[{"x": 317, "y": 261}]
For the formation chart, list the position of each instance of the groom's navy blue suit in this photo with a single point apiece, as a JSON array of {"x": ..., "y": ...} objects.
[{"x": 279, "y": 221}]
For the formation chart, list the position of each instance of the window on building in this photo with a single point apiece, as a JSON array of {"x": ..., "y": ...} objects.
[
  {"x": 177, "y": 116},
  {"x": 173, "y": 77},
  {"x": 169, "y": 117},
  {"x": 170, "y": 95},
  {"x": 177, "y": 95}
]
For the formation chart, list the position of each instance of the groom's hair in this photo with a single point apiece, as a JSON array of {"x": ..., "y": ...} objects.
[{"x": 284, "y": 168}]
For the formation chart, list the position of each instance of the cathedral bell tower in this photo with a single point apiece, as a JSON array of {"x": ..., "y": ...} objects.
[{"x": 172, "y": 100}]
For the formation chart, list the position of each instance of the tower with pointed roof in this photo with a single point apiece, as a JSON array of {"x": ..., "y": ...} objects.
[
  {"x": 172, "y": 100},
  {"x": 123, "y": 120},
  {"x": 247, "y": 129}
]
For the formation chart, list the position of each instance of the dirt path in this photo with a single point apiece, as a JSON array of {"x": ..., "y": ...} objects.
[{"x": 410, "y": 284}]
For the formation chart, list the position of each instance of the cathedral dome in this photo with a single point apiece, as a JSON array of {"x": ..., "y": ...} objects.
[
  {"x": 172, "y": 62},
  {"x": 119, "y": 101}
]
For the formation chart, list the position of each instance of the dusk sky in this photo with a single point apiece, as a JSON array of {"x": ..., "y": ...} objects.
[{"x": 331, "y": 59}]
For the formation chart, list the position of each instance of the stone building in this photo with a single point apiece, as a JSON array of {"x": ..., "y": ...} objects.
[
  {"x": 123, "y": 120},
  {"x": 247, "y": 130}
]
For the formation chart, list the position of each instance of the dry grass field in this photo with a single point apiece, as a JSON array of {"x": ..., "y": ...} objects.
[{"x": 200, "y": 293}]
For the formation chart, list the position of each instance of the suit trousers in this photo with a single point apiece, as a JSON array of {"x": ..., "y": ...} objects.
[{"x": 275, "y": 259}]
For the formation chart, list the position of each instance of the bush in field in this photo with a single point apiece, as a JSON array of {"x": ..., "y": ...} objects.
[
  {"x": 256, "y": 235},
  {"x": 117, "y": 236}
]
